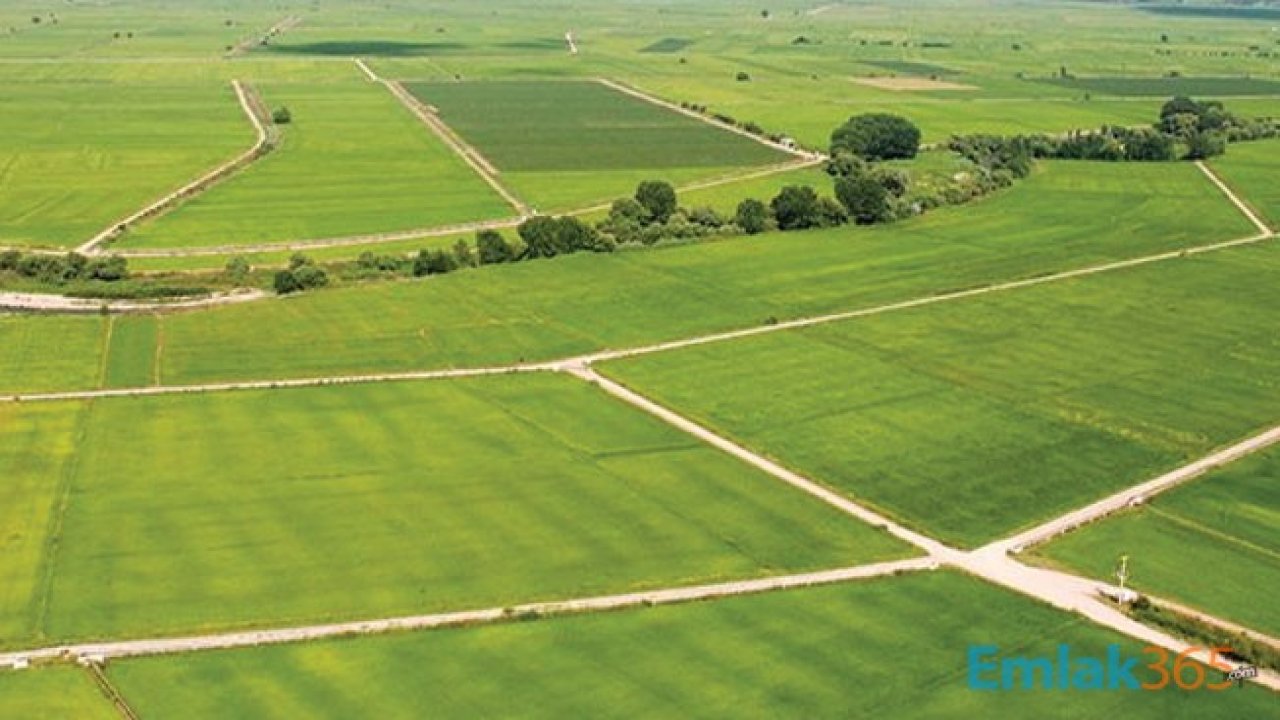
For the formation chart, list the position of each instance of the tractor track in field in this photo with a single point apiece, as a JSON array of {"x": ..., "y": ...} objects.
[{"x": 251, "y": 106}]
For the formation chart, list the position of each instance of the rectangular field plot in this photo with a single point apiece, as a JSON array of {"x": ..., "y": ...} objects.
[
  {"x": 353, "y": 162},
  {"x": 50, "y": 353},
  {"x": 893, "y": 648},
  {"x": 1069, "y": 215},
  {"x": 76, "y": 157},
  {"x": 1162, "y": 87},
  {"x": 60, "y": 692},
  {"x": 1213, "y": 544},
  {"x": 975, "y": 418},
  {"x": 1251, "y": 170},
  {"x": 561, "y": 143},
  {"x": 192, "y": 513}
]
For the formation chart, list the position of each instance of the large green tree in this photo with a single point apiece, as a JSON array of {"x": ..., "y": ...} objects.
[{"x": 876, "y": 136}]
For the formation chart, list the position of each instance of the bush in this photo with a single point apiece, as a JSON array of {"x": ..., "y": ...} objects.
[
  {"x": 752, "y": 216},
  {"x": 796, "y": 207},
  {"x": 864, "y": 197},
  {"x": 877, "y": 136},
  {"x": 742, "y": 76},
  {"x": 281, "y": 116},
  {"x": 302, "y": 274},
  {"x": 433, "y": 262},
  {"x": 493, "y": 248},
  {"x": 658, "y": 198}
]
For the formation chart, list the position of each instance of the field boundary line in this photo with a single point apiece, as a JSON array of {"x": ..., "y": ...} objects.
[
  {"x": 644, "y": 598},
  {"x": 113, "y": 694},
  {"x": 1136, "y": 494},
  {"x": 1236, "y": 200},
  {"x": 259, "y": 148},
  {"x": 454, "y": 142},
  {"x": 606, "y": 355},
  {"x": 368, "y": 71},
  {"x": 247, "y": 44},
  {"x": 689, "y": 427},
  {"x": 654, "y": 100}
]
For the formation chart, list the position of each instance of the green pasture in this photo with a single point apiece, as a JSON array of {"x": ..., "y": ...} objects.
[
  {"x": 51, "y": 353},
  {"x": 52, "y": 694},
  {"x": 75, "y": 157},
  {"x": 1213, "y": 544},
  {"x": 352, "y": 162},
  {"x": 199, "y": 513},
  {"x": 1070, "y": 215},
  {"x": 883, "y": 648},
  {"x": 970, "y": 420},
  {"x": 1167, "y": 87},
  {"x": 1251, "y": 170}
]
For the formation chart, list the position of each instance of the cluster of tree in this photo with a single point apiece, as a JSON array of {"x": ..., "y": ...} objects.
[
  {"x": 62, "y": 269},
  {"x": 302, "y": 274},
  {"x": 653, "y": 215},
  {"x": 1206, "y": 126},
  {"x": 876, "y": 136}
]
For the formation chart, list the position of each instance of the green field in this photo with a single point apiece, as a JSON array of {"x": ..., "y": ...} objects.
[
  {"x": 1164, "y": 87},
  {"x": 1213, "y": 544},
  {"x": 352, "y": 162},
  {"x": 76, "y": 157},
  {"x": 563, "y": 144},
  {"x": 881, "y": 648},
  {"x": 973, "y": 419},
  {"x": 1069, "y": 216},
  {"x": 1250, "y": 169},
  {"x": 52, "y": 694},
  {"x": 189, "y": 514},
  {"x": 50, "y": 353}
]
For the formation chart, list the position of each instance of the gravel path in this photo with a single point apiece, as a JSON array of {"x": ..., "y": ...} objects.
[{"x": 39, "y": 302}]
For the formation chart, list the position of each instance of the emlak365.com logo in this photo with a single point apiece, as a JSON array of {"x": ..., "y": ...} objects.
[{"x": 1066, "y": 670}]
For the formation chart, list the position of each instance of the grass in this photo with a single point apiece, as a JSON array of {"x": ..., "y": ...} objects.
[
  {"x": 192, "y": 514},
  {"x": 51, "y": 693},
  {"x": 564, "y": 144},
  {"x": 1166, "y": 87},
  {"x": 1069, "y": 216},
  {"x": 36, "y": 444},
  {"x": 970, "y": 420},
  {"x": 887, "y": 648},
  {"x": 50, "y": 353},
  {"x": 76, "y": 157},
  {"x": 353, "y": 162},
  {"x": 909, "y": 67},
  {"x": 1250, "y": 169},
  {"x": 667, "y": 45},
  {"x": 1213, "y": 544}
]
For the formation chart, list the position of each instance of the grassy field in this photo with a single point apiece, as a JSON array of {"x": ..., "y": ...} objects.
[
  {"x": 1213, "y": 544},
  {"x": 52, "y": 694},
  {"x": 1070, "y": 215},
  {"x": 972, "y": 419},
  {"x": 188, "y": 514},
  {"x": 77, "y": 156},
  {"x": 561, "y": 144},
  {"x": 1163, "y": 87},
  {"x": 1250, "y": 168},
  {"x": 353, "y": 162},
  {"x": 882, "y": 648},
  {"x": 50, "y": 353}
]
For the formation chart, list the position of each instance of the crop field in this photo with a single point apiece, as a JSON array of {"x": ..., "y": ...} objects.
[
  {"x": 353, "y": 162},
  {"x": 825, "y": 652},
  {"x": 113, "y": 148},
  {"x": 1169, "y": 87},
  {"x": 1212, "y": 544},
  {"x": 1072, "y": 215},
  {"x": 1252, "y": 171},
  {"x": 308, "y": 441},
  {"x": 559, "y": 141},
  {"x": 403, "y": 491},
  {"x": 970, "y": 420},
  {"x": 52, "y": 693}
]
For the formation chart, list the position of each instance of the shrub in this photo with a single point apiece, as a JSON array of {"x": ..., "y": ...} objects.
[
  {"x": 493, "y": 248},
  {"x": 752, "y": 216},
  {"x": 281, "y": 116},
  {"x": 796, "y": 207},
  {"x": 658, "y": 198}
]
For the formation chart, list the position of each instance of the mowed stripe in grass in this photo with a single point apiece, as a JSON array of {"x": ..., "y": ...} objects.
[
  {"x": 198, "y": 513},
  {"x": 76, "y": 157},
  {"x": 352, "y": 162},
  {"x": 880, "y": 648},
  {"x": 1068, "y": 216},
  {"x": 1251, "y": 170},
  {"x": 1212, "y": 544},
  {"x": 972, "y": 419},
  {"x": 582, "y": 125},
  {"x": 58, "y": 692}
]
